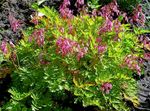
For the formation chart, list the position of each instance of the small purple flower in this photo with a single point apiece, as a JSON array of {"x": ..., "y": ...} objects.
[
  {"x": 35, "y": 21},
  {"x": 138, "y": 69},
  {"x": 147, "y": 56},
  {"x": 14, "y": 23},
  {"x": 99, "y": 40},
  {"x": 70, "y": 29},
  {"x": 64, "y": 9},
  {"x": 106, "y": 87},
  {"x": 141, "y": 60},
  {"x": 38, "y": 36},
  {"x": 146, "y": 42},
  {"x": 11, "y": 44},
  {"x": 94, "y": 12},
  {"x": 4, "y": 47},
  {"x": 138, "y": 16},
  {"x": 81, "y": 52},
  {"x": 65, "y": 46},
  {"x": 80, "y": 2},
  {"x": 101, "y": 48},
  {"x": 132, "y": 63},
  {"x": 109, "y": 10},
  {"x": 66, "y": 2},
  {"x": 66, "y": 13},
  {"x": 117, "y": 25},
  {"x": 107, "y": 26}
]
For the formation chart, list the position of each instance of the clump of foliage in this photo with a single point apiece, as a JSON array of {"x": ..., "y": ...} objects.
[
  {"x": 124, "y": 5},
  {"x": 113, "y": 10},
  {"x": 89, "y": 56}
]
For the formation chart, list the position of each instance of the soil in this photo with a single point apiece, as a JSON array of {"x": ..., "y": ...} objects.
[{"x": 21, "y": 10}]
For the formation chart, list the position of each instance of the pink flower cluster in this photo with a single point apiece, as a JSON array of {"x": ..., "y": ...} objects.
[
  {"x": 79, "y": 3},
  {"x": 101, "y": 48},
  {"x": 132, "y": 63},
  {"x": 117, "y": 25},
  {"x": 11, "y": 44},
  {"x": 71, "y": 29},
  {"x": 147, "y": 56},
  {"x": 138, "y": 16},
  {"x": 38, "y": 36},
  {"x": 64, "y": 9},
  {"x": 35, "y": 20},
  {"x": 81, "y": 52},
  {"x": 4, "y": 47},
  {"x": 14, "y": 23},
  {"x": 106, "y": 87},
  {"x": 66, "y": 46},
  {"x": 109, "y": 10},
  {"x": 145, "y": 41},
  {"x": 107, "y": 26}
]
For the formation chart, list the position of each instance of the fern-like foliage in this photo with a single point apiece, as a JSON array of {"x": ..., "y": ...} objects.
[{"x": 43, "y": 69}]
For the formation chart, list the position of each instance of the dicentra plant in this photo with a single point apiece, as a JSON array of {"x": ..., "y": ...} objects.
[{"x": 91, "y": 57}]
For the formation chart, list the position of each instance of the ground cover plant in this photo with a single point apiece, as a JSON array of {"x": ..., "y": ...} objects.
[
  {"x": 91, "y": 57},
  {"x": 88, "y": 56}
]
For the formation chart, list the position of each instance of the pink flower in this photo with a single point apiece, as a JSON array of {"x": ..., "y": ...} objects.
[
  {"x": 66, "y": 2},
  {"x": 65, "y": 46},
  {"x": 109, "y": 10},
  {"x": 146, "y": 43},
  {"x": 35, "y": 20},
  {"x": 94, "y": 12},
  {"x": 141, "y": 60},
  {"x": 106, "y": 87},
  {"x": 38, "y": 36},
  {"x": 138, "y": 16},
  {"x": 147, "y": 56},
  {"x": 4, "y": 47},
  {"x": 99, "y": 40},
  {"x": 106, "y": 27},
  {"x": 70, "y": 29},
  {"x": 101, "y": 48},
  {"x": 81, "y": 2},
  {"x": 11, "y": 44},
  {"x": 138, "y": 69},
  {"x": 132, "y": 63},
  {"x": 65, "y": 12},
  {"x": 64, "y": 9},
  {"x": 117, "y": 25},
  {"x": 125, "y": 16},
  {"x": 14, "y": 23},
  {"x": 81, "y": 52}
]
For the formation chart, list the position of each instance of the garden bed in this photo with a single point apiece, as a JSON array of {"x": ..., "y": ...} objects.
[{"x": 22, "y": 11}]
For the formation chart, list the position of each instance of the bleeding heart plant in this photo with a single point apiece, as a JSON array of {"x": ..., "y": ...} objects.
[{"x": 93, "y": 58}]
